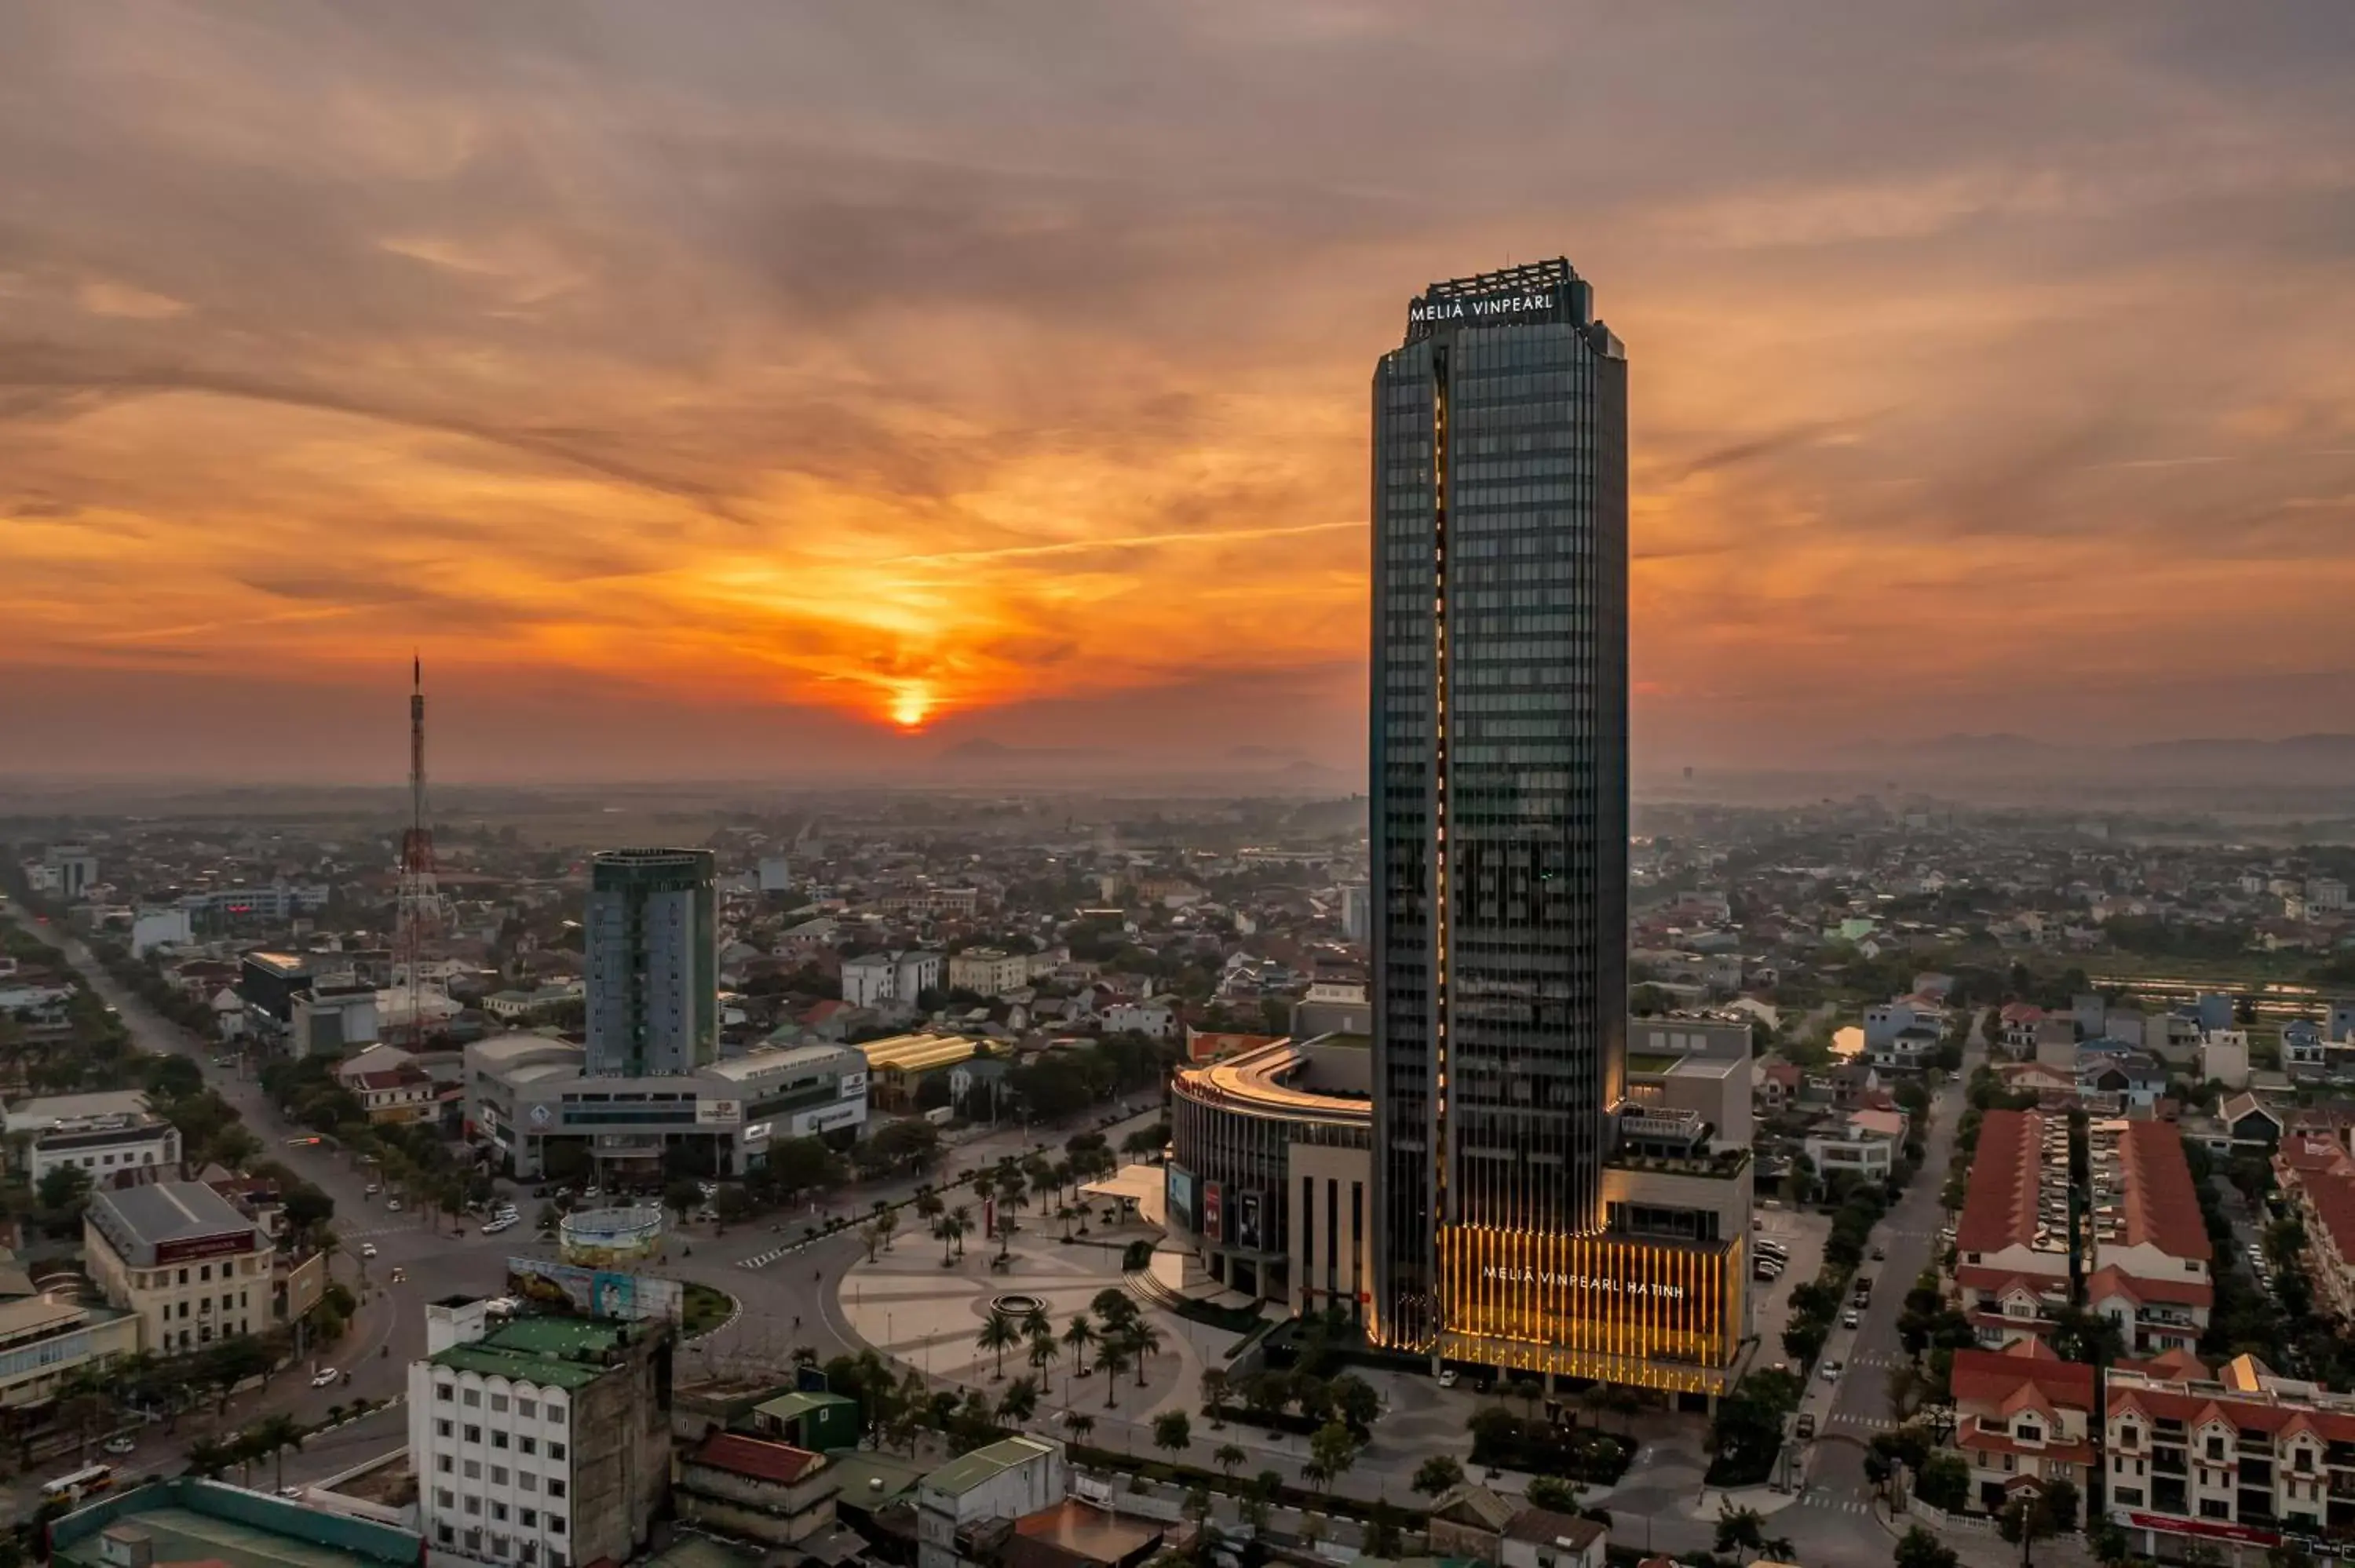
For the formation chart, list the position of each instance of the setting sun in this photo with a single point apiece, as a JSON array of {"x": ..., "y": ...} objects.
[{"x": 911, "y": 704}]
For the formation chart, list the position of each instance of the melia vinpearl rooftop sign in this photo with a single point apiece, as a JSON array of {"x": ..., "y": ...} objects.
[{"x": 1437, "y": 313}]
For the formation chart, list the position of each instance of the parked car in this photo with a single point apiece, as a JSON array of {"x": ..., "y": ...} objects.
[
  {"x": 1831, "y": 1372},
  {"x": 1849, "y": 1319},
  {"x": 1447, "y": 1377},
  {"x": 1806, "y": 1427}
]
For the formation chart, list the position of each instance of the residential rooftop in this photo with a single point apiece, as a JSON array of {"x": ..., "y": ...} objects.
[
  {"x": 985, "y": 1464},
  {"x": 548, "y": 1352}
]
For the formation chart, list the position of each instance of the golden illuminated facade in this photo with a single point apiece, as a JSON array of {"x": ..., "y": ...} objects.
[{"x": 1613, "y": 1309}]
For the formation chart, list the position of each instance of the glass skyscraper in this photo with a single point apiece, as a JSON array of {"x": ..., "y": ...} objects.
[
  {"x": 651, "y": 936},
  {"x": 1499, "y": 811}
]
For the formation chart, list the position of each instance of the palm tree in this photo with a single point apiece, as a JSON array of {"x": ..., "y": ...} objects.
[
  {"x": 209, "y": 1457},
  {"x": 271, "y": 1436},
  {"x": 1036, "y": 1323},
  {"x": 887, "y": 1221},
  {"x": 961, "y": 1217},
  {"x": 1142, "y": 1339},
  {"x": 1019, "y": 1402},
  {"x": 929, "y": 1205},
  {"x": 1227, "y": 1457},
  {"x": 1077, "y": 1425},
  {"x": 946, "y": 1229},
  {"x": 1043, "y": 1350},
  {"x": 998, "y": 1334},
  {"x": 1111, "y": 1359},
  {"x": 1080, "y": 1336}
]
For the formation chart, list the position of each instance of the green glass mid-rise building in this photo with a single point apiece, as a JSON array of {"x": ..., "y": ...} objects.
[{"x": 653, "y": 962}]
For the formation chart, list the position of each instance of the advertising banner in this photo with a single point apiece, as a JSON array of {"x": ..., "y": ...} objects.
[
  {"x": 1214, "y": 1212},
  {"x": 1183, "y": 1190},
  {"x": 1248, "y": 1207},
  {"x": 594, "y": 1292}
]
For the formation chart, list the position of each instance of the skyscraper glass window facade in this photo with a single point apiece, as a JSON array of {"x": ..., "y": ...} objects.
[
  {"x": 651, "y": 936},
  {"x": 1500, "y": 783}
]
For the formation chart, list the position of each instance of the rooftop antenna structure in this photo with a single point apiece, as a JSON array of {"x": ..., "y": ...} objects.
[{"x": 419, "y": 911}]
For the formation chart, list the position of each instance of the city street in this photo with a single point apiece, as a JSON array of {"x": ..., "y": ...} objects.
[{"x": 440, "y": 1260}]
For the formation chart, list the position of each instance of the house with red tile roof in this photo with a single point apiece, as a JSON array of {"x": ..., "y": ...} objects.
[
  {"x": 2316, "y": 1175},
  {"x": 2023, "y": 1418},
  {"x": 2234, "y": 1460},
  {"x": 2145, "y": 1244},
  {"x": 754, "y": 1488}
]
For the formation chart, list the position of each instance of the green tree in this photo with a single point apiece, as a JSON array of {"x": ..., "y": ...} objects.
[
  {"x": 271, "y": 1436},
  {"x": 1112, "y": 1360},
  {"x": 1332, "y": 1448},
  {"x": 1739, "y": 1530},
  {"x": 1438, "y": 1474},
  {"x": 1227, "y": 1457},
  {"x": 1080, "y": 1335},
  {"x": 1173, "y": 1432},
  {"x": 63, "y": 1188},
  {"x": 998, "y": 1335},
  {"x": 1019, "y": 1402},
  {"x": 1917, "y": 1548},
  {"x": 1943, "y": 1481},
  {"x": 1553, "y": 1493}
]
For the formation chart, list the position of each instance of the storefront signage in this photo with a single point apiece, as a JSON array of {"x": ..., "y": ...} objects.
[
  {"x": 853, "y": 1085},
  {"x": 718, "y": 1113},
  {"x": 191, "y": 1248}
]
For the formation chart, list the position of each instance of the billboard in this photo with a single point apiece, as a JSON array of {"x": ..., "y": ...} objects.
[
  {"x": 1248, "y": 1208},
  {"x": 190, "y": 1248},
  {"x": 718, "y": 1113},
  {"x": 1214, "y": 1212},
  {"x": 1184, "y": 1195},
  {"x": 594, "y": 1292}
]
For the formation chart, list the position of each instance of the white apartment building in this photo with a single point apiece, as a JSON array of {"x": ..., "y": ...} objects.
[
  {"x": 889, "y": 977},
  {"x": 537, "y": 1442},
  {"x": 988, "y": 972},
  {"x": 104, "y": 1134},
  {"x": 183, "y": 1259}
]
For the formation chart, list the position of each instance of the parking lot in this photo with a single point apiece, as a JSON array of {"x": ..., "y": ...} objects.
[{"x": 1770, "y": 1303}]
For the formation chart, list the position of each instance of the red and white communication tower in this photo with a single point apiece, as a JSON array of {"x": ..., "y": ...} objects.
[{"x": 420, "y": 914}]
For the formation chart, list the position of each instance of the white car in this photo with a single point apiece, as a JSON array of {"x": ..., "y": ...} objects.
[
  {"x": 117, "y": 1445},
  {"x": 1831, "y": 1372},
  {"x": 392, "y": 1205},
  {"x": 367, "y": 1249},
  {"x": 1447, "y": 1377},
  {"x": 495, "y": 1226},
  {"x": 324, "y": 1376}
]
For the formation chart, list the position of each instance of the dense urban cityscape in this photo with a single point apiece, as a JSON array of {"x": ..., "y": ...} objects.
[{"x": 959, "y": 953}]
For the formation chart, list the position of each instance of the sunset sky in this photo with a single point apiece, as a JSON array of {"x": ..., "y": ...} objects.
[{"x": 717, "y": 389}]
